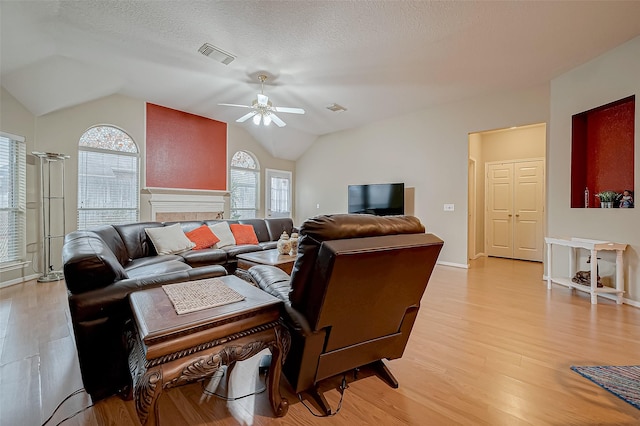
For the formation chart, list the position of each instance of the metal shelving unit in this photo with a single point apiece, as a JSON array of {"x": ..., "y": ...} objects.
[{"x": 52, "y": 199}]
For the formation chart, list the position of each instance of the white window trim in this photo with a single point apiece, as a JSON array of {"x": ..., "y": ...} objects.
[{"x": 22, "y": 236}]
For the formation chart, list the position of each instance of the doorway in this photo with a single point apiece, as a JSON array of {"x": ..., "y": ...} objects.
[
  {"x": 471, "y": 214},
  {"x": 515, "y": 209},
  {"x": 278, "y": 193},
  {"x": 508, "y": 146}
]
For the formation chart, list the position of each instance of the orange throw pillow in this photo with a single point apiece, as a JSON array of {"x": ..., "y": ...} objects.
[
  {"x": 244, "y": 234},
  {"x": 203, "y": 237}
]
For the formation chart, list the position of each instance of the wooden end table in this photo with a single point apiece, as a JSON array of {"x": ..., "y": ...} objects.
[
  {"x": 266, "y": 257},
  {"x": 170, "y": 349}
]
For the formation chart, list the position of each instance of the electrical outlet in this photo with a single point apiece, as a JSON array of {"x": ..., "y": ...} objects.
[{"x": 449, "y": 207}]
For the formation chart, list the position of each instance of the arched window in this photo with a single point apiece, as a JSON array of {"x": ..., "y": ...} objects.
[
  {"x": 245, "y": 182},
  {"x": 108, "y": 181}
]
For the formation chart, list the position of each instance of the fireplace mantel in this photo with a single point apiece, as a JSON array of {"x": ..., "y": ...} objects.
[{"x": 188, "y": 204}]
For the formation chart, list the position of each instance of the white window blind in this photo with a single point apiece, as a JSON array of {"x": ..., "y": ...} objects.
[
  {"x": 108, "y": 184},
  {"x": 12, "y": 198},
  {"x": 244, "y": 179}
]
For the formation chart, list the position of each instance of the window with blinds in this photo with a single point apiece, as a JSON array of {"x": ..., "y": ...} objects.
[
  {"x": 108, "y": 182},
  {"x": 12, "y": 198},
  {"x": 244, "y": 177}
]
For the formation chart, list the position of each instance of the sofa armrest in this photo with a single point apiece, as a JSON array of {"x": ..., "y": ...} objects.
[
  {"x": 273, "y": 280},
  {"x": 277, "y": 283},
  {"x": 89, "y": 263},
  {"x": 113, "y": 300}
]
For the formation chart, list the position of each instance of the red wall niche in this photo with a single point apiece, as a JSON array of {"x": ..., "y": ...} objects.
[
  {"x": 185, "y": 151},
  {"x": 602, "y": 151}
]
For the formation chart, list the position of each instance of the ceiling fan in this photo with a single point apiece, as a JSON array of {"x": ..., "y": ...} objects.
[{"x": 263, "y": 110}]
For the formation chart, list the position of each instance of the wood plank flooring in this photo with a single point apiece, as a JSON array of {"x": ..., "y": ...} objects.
[{"x": 491, "y": 346}]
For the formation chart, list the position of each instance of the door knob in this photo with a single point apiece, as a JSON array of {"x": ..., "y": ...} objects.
[{"x": 517, "y": 215}]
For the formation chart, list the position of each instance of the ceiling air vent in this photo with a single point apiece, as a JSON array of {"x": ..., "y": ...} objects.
[
  {"x": 336, "y": 108},
  {"x": 216, "y": 53}
]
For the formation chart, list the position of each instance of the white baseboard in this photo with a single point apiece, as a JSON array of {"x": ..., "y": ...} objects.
[
  {"x": 19, "y": 280},
  {"x": 453, "y": 264},
  {"x": 631, "y": 302}
]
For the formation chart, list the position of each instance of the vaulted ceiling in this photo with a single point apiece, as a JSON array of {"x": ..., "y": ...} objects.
[{"x": 378, "y": 59}]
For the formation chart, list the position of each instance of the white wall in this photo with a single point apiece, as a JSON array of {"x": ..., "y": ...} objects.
[
  {"x": 514, "y": 144},
  {"x": 610, "y": 77},
  {"x": 427, "y": 150}
]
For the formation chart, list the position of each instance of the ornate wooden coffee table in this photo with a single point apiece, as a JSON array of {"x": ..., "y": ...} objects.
[
  {"x": 266, "y": 257},
  {"x": 171, "y": 349}
]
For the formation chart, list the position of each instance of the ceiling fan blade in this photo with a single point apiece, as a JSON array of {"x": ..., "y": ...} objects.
[
  {"x": 236, "y": 105},
  {"x": 262, "y": 99},
  {"x": 277, "y": 120},
  {"x": 246, "y": 117},
  {"x": 290, "y": 110}
]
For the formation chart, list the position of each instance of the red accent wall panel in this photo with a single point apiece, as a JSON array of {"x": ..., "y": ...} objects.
[
  {"x": 185, "y": 151},
  {"x": 602, "y": 150},
  {"x": 610, "y": 147}
]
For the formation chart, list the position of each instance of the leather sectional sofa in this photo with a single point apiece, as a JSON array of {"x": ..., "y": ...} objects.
[{"x": 102, "y": 266}]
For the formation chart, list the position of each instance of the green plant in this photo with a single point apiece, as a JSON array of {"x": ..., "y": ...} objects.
[{"x": 608, "y": 196}]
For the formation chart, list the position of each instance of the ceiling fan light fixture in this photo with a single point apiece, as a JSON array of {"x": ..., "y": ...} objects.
[
  {"x": 262, "y": 110},
  {"x": 216, "y": 53}
]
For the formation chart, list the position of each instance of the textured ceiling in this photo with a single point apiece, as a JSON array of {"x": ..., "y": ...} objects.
[{"x": 378, "y": 59}]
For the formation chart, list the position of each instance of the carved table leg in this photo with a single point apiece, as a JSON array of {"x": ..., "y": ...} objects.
[
  {"x": 279, "y": 350},
  {"x": 146, "y": 395}
]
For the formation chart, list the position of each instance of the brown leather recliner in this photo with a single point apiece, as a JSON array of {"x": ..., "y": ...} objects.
[{"x": 353, "y": 295}]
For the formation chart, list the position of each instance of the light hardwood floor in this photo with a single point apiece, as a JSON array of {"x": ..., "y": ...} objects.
[{"x": 491, "y": 346}]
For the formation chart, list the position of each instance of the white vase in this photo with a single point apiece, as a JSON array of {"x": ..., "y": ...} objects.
[
  {"x": 284, "y": 245},
  {"x": 294, "y": 244}
]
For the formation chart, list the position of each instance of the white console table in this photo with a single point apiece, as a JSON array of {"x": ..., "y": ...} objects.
[{"x": 593, "y": 246}]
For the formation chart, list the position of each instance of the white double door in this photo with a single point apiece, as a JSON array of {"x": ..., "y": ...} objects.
[{"x": 514, "y": 221}]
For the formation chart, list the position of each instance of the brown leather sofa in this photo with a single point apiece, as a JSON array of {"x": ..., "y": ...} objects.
[
  {"x": 102, "y": 266},
  {"x": 353, "y": 295}
]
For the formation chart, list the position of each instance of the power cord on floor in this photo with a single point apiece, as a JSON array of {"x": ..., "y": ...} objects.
[
  {"x": 342, "y": 388},
  {"x": 76, "y": 392},
  {"x": 224, "y": 398}
]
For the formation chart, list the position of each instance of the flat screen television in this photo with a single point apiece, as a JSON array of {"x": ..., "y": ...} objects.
[{"x": 381, "y": 199}]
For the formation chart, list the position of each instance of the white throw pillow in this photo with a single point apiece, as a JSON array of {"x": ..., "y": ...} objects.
[
  {"x": 169, "y": 239},
  {"x": 222, "y": 231}
]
